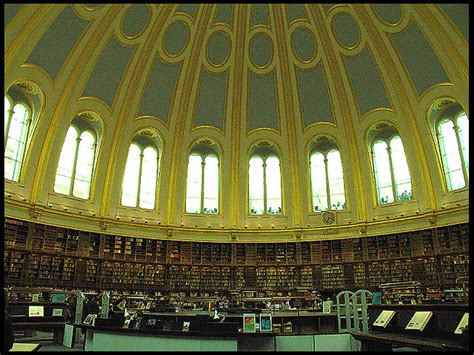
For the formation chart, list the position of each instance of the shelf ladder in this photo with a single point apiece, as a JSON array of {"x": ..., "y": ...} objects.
[
  {"x": 352, "y": 310},
  {"x": 344, "y": 312}
]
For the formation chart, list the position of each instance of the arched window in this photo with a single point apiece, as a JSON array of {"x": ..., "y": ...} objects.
[
  {"x": 453, "y": 138},
  {"x": 202, "y": 188},
  {"x": 392, "y": 176},
  {"x": 264, "y": 182},
  {"x": 17, "y": 126},
  {"x": 327, "y": 179},
  {"x": 141, "y": 175},
  {"x": 76, "y": 162}
]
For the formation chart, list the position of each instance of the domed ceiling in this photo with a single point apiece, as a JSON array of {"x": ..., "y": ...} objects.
[{"x": 234, "y": 75}]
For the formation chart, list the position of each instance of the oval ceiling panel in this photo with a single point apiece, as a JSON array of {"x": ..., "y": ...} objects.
[
  {"x": 176, "y": 37},
  {"x": 218, "y": 48},
  {"x": 303, "y": 43},
  {"x": 261, "y": 49},
  {"x": 347, "y": 32},
  {"x": 135, "y": 19},
  {"x": 390, "y": 13}
]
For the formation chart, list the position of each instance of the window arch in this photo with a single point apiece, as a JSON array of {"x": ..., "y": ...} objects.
[
  {"x": 141, "y": 174},
  {"x": 327, "y": 177},
  {"x": 16, "y": 133},
  {"x": 202, "y": 185},
  {"x": 453, "y": 140},
  {"x": 76, "y": 162},
  {"x": 264, "y": 181},
  {"x": 391, "y": 172}
]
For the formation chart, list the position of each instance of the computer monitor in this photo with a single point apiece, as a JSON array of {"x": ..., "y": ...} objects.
[
  {"x": 58, "y": 298},
  {"x": 35, "y": 311}
]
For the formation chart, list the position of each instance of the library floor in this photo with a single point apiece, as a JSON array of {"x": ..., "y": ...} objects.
[{"x": 45, "y": 339}]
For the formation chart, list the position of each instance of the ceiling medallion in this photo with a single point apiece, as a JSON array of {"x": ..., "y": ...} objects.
[
  {"x": 442, "y": 103},
  {"x": 147, "y": 132},
  {"x": 91, "y": 116},
  {"x": 329, "y": 217},
  {"x": 28, "y": 87},
  {"x": 206, "y": 141},
  {"x": 263, "y": 144},
  {"x": 381, "y": 125}
]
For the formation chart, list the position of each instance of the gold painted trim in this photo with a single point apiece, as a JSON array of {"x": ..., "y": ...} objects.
[{"x": 345, "y": 105}]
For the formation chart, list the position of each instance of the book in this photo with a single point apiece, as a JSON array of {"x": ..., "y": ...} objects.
[
  {"x": 265, "y": 322},
  {"x": 57, "y": 312},
  {"x": 462, "y": 324},
  {"x": 419, "y": 320},
  {"x": 249, "y": 323},
  {"x": 377, "y": 297},
  {"x": 384, "y": 318},
  {"x": 327, "y": 305}
]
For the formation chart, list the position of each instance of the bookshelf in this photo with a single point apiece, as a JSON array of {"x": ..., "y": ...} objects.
[{"x": 37, "y": 254}]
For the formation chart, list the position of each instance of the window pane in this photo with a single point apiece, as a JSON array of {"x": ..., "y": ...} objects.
[
  {"x": 16, "y": 142},
  {"x": 7, "y": 108},
  {"x": 450, "y": 156},
  {"x": 194, "y": 184},
  {"x": 256, "y": 205},
  {"x": 148, "y": 178},
  {"x": 81, "y": 189},
  {"x": 130, "y": 178},
  {"x": 318, "y": 182},
  {"x": 84, "y": 165},
  {"x": 383, "y": 179},
  {"x": 336, "y": 181},
  {"x": 463, "y": 124},
  {"x": 211, "y": 184},
  {"x": 400, "y": 170},
  {"x": 62, "y": 183},
  {"x": 273, "y": 188}
]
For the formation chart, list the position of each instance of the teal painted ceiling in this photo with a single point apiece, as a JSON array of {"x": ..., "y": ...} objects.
[{"x": 310, "y": 44}]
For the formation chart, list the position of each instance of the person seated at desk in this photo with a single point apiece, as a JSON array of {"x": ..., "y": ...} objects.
[
  {"x": 117, "y": 309},
  {"x": 8, "y": 335},
  {"x": 136, "y": 319}
]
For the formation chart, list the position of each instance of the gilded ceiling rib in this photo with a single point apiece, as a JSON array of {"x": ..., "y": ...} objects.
[
  {"x": 129, "y": 107},
  {"x": 288, "y": 117},
  {"x": 346, "y": 103},
  {"x": 401, "y": 98},
  {"x": 183, "y": 107},
  {"x": 240, "y": 24},
  {"x": 71, "y": 87}
]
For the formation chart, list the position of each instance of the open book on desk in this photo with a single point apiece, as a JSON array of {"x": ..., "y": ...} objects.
[
  {"x": 384, "y": 318},
  {"x": 462, "y": 324},
  {"x": 419, "y": 320}
]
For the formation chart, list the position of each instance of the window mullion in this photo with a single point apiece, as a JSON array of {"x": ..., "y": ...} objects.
[
  {"x": 203, "y": 166},
  {"x": 9, "y": 120},
  {"x": 328, "y": 197},
  {"x": 22, "y": 153},
  {"x": 392, "y": 174},
  {"x": 463, "y": 162},
  {"x": 137, "y": 201},
  {"x": 265, "y": 186},
  {"x": 74, "y": 166}
]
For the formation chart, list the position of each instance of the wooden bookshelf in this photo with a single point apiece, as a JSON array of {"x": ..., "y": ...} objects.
[{"x": 37, "y": 254}]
